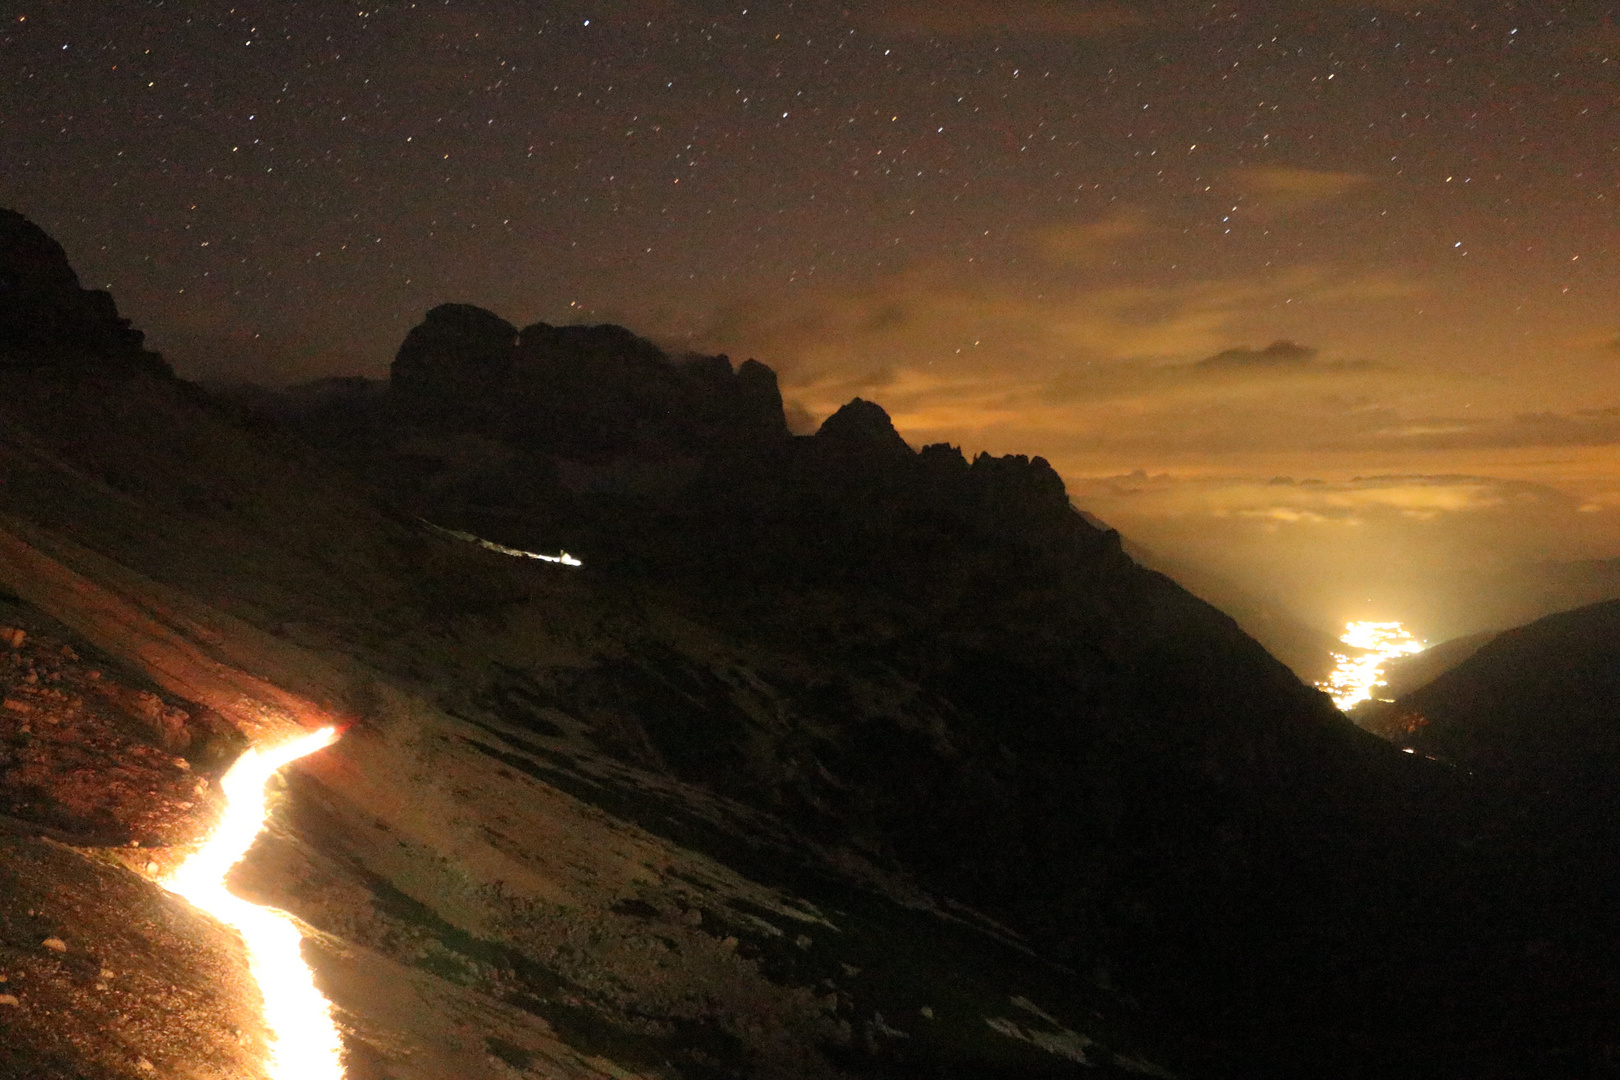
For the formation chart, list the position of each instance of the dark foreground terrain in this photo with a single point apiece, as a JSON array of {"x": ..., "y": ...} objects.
[{"x": 834, "y": 758}]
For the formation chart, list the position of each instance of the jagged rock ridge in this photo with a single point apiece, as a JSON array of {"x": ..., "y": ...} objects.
[{"x": 589, "y": 391}]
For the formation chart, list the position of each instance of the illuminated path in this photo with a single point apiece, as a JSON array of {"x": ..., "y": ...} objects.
[
  {"x": 304, "y": 1043},
  {"x": 1355, "y": 677}
]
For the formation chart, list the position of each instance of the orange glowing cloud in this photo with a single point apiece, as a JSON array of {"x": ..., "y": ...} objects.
[{"x": 1284, "y": 189}]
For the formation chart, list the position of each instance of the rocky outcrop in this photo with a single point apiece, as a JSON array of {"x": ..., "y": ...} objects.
[
  {"x": 568, "y": 433},
  {"x": 46, "y": 317},
  {"x": 452, "y": 364},
  {"x": 602, "y": 392},
  {"x": 583, "y": 392}
]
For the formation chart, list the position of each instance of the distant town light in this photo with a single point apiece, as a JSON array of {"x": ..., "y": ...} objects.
[{"x": 1355, "y": 678}]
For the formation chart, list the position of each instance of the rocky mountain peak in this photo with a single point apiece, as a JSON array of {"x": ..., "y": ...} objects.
[
  {"x": 45, "y": 316},
  {"x": 603, "y": 343},
  {"x": 453, "y": 359},
  {"x": 34, "y": 263},
  {"x": 862, "y": 425},
  {"x": 583, "y": 392}
]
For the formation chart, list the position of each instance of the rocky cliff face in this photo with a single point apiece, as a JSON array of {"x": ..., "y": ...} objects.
[
  {"x": 836, "y": 758},
  {"x": 585, "y": 392}
]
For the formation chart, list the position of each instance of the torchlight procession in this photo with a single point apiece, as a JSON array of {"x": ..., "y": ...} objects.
[{"x": 304, "y": 1042}]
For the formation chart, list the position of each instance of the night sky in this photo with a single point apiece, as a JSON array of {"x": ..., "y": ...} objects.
[{"x": 1065, "y": 228}]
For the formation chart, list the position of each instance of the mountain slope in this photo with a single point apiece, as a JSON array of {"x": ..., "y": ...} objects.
[
  {"x": 1539, "y": 704},
  {"x": 1307, "y": 650}
]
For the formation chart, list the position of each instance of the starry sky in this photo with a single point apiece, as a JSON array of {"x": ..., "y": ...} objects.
[{"x": 1321, "y": 297}]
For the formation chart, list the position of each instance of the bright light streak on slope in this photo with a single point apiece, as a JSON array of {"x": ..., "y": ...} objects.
[
  {"x": 1355, "y": 677},
  {"x": 562, "y": 557},
  {"x": 304, "y": 1043}
]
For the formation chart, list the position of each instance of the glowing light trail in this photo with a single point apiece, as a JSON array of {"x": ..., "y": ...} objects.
[
  {"x": 304, "y": 1043},
  {"x": 1355, "y": 677},
  {"x": 562, "y": 557}
]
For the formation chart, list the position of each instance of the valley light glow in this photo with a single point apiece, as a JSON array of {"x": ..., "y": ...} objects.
[
  {"x": 1355, "y": 677},
  {"x": 304, "y": 1043}
]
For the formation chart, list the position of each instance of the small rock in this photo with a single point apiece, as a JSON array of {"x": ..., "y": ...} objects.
[
  {"x": 92, "y": 674},
  {"x": 927, "y": 1012},
  {"x": 106, "y": 973},
  {"x": 13, "y": 636},
  {"x": 9, "y": 999},
  {"x": 151, "y": 867},
  {"x": 144, "y": 1065},
  {"x": 182, "y": 764},
  {"x": 17, "y": 705},
  {"x": 68, "y": 653},
  {"x": 803, "y": 941},
  {"x": 55, "y": 943}
]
